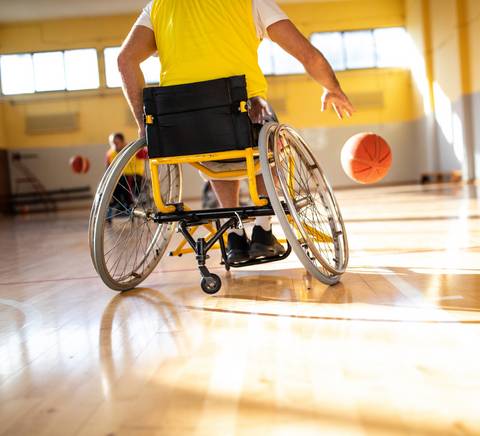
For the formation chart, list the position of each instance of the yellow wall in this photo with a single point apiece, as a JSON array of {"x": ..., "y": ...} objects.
[
  {"x": 3, "y": 139},
  {"x": 473, "y": 34},
  {"x": 445, "y": 33},
  {"x": 445, "y": 45},
  {"x": 98, "y": 115},
  {"x": 299, "y": 98},
  {"x": 346, "y": 15},
  {"x": 418, "y": 27},
  {"x": 102, "y": 111},
  {"x": 301, "y": 95},
  {"x": 64, "y": 34}
]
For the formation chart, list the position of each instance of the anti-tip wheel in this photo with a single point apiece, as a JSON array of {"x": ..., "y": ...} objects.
[{"x": 211, "y": 285}]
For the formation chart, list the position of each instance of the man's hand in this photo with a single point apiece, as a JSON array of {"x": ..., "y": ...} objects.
[
  {"x": 337, "y": 101},
  {"x": 258, "y": 110}
]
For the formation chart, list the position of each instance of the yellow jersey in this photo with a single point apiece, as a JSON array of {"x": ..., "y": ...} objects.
[
  {"x": 136, "y": 166},
  {"x": 199, "y": 40}
]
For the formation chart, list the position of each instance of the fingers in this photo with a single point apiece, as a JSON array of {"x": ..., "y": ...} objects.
[
  {"x": 258, "y": 110},
  {"x": 324, "y": 104},
  {"x": 337, "y": 111},
  {"x": 339, "y": 103},
  {"x": 349, "y": 108},
  {"x": 346, "y": 110}
]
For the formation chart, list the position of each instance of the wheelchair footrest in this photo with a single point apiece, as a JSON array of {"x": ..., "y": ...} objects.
[
  {"x": 263, "y": 259},
  {"x": 188, "y": 219}
]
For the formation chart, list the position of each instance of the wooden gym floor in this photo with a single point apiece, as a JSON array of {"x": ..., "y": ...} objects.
[{"x": 394, "y": 349}]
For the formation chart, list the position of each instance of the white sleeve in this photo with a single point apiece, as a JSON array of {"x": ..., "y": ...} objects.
[
  {"x": 144, "y": 18},
  {"x": 265, "y": 13}
]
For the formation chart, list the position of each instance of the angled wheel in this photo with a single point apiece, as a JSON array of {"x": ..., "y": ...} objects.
[
  {"x": 303, "y": 202},
  {"x": 125, "y": 243},
  {"x": 211, "y": 285}
]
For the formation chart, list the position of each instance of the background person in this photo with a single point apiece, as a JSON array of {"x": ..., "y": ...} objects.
[{"x": 130, "y": 182}]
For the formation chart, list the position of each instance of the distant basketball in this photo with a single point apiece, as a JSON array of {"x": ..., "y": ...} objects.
[
  {"x": 366, "y": 158},
  {"x": 86, "y": 165},
  {"x": 79, "y": 164}
]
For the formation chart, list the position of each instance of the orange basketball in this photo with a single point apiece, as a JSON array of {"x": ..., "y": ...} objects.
[
  {"x": 366, "y": 158},
  {"x": 79, "y": 164},
  {"x": 86, "y": 165},
  {"x": 76, "y": 164}
]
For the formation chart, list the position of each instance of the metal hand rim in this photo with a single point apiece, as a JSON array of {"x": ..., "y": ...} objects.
[
  {"x": 304, "y": 147},
  {"x": 266, "y": 135}
]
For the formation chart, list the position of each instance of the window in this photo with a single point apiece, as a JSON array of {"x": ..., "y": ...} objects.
[
  {"x": 81, "y": 69},
  {"x": 273, "y": 60},
  {"x": 331, "y": 45},
  {"x": 359, "y": 49},
  {"x": 392, "y": 47},
  {"x": 375, "y": 48},
  {"x": 49, "y": 71},
  {"x": 17, "y": 74},
  {"x": 111, "y": 71},
  {"x": 265, "y": 58},
  {"x": 150, "y": 68}
]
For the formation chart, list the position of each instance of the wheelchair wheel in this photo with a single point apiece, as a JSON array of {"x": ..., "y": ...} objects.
[
  {"x": 125, "y": 243},
  {"x": 296, "y": 184},
  {"x": 96, "y": 202}
]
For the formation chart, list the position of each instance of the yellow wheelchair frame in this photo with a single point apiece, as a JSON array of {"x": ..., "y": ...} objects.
[
  {"x": 248, "y": 154},
  {"x": 250, "y": 173}
]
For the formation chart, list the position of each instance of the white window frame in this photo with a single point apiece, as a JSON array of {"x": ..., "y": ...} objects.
[
  {"x": 376, "y": 56},
  {"x": 63, "y": 51}
]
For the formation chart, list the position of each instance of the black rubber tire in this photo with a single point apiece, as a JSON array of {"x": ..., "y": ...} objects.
[{"x": 211, "y": 285}]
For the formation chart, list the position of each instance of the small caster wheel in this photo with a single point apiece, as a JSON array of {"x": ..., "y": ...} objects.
[{"x": 211, "y": 285}]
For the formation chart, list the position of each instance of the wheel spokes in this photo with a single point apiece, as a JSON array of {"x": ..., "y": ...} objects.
[
  {"x": 130, "y": 235},
  {"x": 312, "y": 214}
]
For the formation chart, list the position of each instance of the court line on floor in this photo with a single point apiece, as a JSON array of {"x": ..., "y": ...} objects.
[
  {"x": 324, "y": 318},
  {"x": 68, "y": 279}
]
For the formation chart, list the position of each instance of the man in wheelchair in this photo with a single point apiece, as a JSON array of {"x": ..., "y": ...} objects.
[
  {"x": 210, "y": 111},
  {"x": 201, "y": 40}
]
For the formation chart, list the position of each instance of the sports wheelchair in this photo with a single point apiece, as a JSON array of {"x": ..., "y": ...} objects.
[{"x": 128, "y": 240}]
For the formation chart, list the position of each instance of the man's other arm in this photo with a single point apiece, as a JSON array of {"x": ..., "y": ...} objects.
[
  {"x": 287, "y": 36},
  {"x": 137, "y": 47}
]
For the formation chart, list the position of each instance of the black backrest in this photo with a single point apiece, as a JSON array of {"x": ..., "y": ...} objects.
[{"x": 196, "y": 118}]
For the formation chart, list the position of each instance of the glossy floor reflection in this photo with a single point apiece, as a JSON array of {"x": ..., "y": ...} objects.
[{"x": 391, "y": 350}]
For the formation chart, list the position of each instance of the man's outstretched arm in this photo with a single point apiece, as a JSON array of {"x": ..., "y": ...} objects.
[
  {"x": 287, "y": 36},
  {"x": 138, "y": 46}
]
